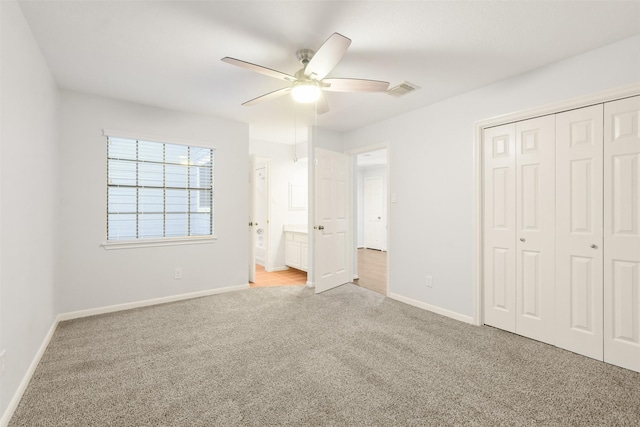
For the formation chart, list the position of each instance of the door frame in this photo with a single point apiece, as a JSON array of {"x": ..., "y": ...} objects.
[
  {"x": 253, "y": 161},
  {"x": 353, "y": 153},
  {"x": 553, "y": 108}
]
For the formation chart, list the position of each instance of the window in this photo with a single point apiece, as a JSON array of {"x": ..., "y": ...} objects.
[{"x": 157, "y": 190}]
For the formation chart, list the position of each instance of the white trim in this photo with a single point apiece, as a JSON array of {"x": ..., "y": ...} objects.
[
  {"x": 145, "y": 303},
  {"x": 153, "y": 138},
  {"x": 280, "y": 268},
  {"x": 166, "y": 241},
  {"x": 558, "y": 107},
  {"x": 17, "y": 396},
  {"x": 571, "y": 104},
  {"x": 478, "y": 296},
  {"x": 432, "y": 308}
]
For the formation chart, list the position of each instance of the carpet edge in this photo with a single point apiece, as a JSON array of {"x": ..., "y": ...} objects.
[
  {"x": 432, "y": 308},
  {"x": 145, "y": 303}
]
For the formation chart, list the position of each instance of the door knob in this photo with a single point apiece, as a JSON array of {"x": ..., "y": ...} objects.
[
  {"x": 321, "y": 227},
  {"x": 522, "y": 239},
  {"x": 250, "y": 224},
  {"x": 593, "y": 246}
]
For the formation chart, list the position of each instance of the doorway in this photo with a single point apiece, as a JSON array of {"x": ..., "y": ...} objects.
[
  {"x": 259, "y": 255},
  {"x": 371, "y": 218},
  {"x": 278, "y": 215}
]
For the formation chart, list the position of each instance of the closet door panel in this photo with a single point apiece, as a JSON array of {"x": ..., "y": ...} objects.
[
  {"x": 579, "y": 182},
  {"x": 622, "y": 233},
  {"x": 535, "y": 225},
  {"x": 499, "y": 227}
]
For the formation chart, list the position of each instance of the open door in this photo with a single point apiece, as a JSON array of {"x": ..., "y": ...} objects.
[
  {"x": 373, "y": 211},
  {"x": 331, "y": 228}
]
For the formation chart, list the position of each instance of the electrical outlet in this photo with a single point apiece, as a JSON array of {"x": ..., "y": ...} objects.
[
  {"x": 177, "y": 274},
  {"x": 2, "y": 353},
  {"x": 429, "y": 281}
]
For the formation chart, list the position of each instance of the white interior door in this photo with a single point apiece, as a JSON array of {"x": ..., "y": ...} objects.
[
  {"x": 579, "y": 231},
  {"x": 622, "y": 233},
  {"x": 500, "y": 227},
  {"x": 535, "y": 224},
  {"x": 331, "y": 228},
  {"x": 373, "y": 211}
]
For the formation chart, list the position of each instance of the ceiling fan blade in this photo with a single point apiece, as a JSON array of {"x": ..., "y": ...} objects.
[
  {"x": 258, "y": 69},
  {"x": 270, "y": 95},
  {"x": 322, "y": 106},
  {"x": 354, "y": 85},
  {"x": 327, "y": 56}
]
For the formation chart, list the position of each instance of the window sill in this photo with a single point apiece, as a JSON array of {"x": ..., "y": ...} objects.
[{"x": 148, "y": 243}]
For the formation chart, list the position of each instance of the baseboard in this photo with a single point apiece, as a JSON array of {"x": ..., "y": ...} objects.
[
  {"x": 432, "y": 308},
  {"x": 311, "y": 285},
  {"x": 17, "y": 396},
  {"x": 281, "y": 268},
  {"x": 145, "y": 303},
  {"x": 13, "y": 404}
]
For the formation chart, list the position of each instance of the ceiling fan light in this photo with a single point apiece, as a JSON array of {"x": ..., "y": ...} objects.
[{"x": 305, "y": 92}]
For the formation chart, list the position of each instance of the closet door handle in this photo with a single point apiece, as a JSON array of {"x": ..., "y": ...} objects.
[
  {"x": 594, "y": 246},
  {"x": 522, "y": 239}
]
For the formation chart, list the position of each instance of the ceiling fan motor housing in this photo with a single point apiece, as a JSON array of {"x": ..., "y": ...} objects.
[{"x": 304, "y": 55}]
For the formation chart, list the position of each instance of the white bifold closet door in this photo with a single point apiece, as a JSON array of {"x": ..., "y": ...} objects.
[
  {"x": 500, "y": 227},
  {"x": 519, "y": 213},
  {"x": 579, "y": 183},
  {"x": 622, "y": 233},
  {"x": 562, "y": 230}
]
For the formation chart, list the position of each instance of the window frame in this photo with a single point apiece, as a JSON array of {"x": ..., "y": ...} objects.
[{"x": 160, "y": 241}]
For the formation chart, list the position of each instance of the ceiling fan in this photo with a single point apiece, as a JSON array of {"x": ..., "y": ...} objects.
[{"x": 308, "y": 83}]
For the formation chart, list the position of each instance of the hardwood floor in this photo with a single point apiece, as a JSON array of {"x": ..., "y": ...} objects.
[
  {"x": 290, "y": 277},
  {"x": 372, "y": 270},
  {"x": 372, "y": 273}
]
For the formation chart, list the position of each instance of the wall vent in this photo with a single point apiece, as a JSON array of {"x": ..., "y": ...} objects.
[{"x": 402, "y": 89}]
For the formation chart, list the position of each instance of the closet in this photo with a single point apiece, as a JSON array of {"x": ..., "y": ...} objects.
[{"x": 561, "y": 230}]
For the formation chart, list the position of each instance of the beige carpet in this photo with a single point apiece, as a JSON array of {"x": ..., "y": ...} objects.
[{"x": 284, "y": 356}]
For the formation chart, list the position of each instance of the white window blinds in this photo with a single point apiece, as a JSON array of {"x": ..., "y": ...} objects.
[{"x": 158, "y": 190}]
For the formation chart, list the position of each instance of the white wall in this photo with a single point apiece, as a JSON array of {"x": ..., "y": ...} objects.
[
  {"x": 327, "y": 139},
  {"x": 432, "y": 228},
  {"x": 282, "y": 172},
  {"x": 91, "y": 276},
  {"x": 364, "y": 173},
  {"x": 29, "y": 199}
]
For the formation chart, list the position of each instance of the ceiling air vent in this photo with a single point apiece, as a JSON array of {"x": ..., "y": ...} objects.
[{"x": 402, "y": 89}]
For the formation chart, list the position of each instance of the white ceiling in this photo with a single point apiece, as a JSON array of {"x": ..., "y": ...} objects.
[{"x": 168, "y": 53}]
